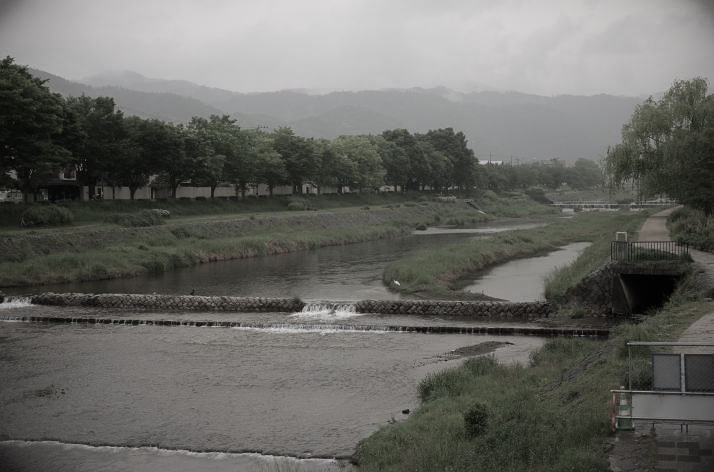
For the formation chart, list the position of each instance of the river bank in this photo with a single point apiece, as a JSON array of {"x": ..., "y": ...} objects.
[
  {"x": 98, "y": 252},
  {"x": 552, "y": 414},
  {"x": 444, "y": 272}
]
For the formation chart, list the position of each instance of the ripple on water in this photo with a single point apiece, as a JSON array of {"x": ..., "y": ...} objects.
[{"x": 59, "y": 456}]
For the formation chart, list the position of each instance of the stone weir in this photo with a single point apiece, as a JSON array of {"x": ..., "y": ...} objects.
[{"x": 460, "y": 309}]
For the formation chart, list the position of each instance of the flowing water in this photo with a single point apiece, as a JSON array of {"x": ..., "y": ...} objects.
[
  {"x": 161, "y": 396},
  {"x": 523, "y": 280},
  {"x": 284, "y": 392},
  {"x": 352, "y": 272}
]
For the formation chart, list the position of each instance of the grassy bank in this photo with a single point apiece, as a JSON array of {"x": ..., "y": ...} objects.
[
  {"x": 125, "y": 260},
  {"x": 102, "y": 211},
  {"x": 110, "y": 250},
  {"x": 552, "y": 415},
  {"x": 438, "y": 272}
]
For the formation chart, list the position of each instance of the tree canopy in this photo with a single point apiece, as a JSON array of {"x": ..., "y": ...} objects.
[
  {"x": 668, "y": 146},
  {"x": 31, "y": 124}
]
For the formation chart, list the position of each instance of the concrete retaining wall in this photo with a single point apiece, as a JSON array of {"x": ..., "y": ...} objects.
[
  {"x": 463, "y": 309},
  {"x": 605, "y": 292}
]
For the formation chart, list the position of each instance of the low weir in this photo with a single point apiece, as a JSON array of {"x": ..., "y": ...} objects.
[
  {"x": 524, "y": 311},
  {"x": 492, "y": 330}
]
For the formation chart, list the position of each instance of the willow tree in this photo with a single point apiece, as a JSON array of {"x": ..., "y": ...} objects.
[{"x": 668, "y": 147}]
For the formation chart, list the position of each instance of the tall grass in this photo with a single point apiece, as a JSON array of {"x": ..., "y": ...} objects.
[
  {"x": 551, "y": 415},
  {"x": 693, "y": 227},
  {"x": 438, "y": 271},
  {"x": 168, "y": 252}
]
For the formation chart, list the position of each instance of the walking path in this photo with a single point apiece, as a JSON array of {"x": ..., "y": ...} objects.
[{"x": 671, "y": 448}]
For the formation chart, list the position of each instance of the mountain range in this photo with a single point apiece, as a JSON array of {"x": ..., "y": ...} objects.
[{"x": 499, "y": 125}]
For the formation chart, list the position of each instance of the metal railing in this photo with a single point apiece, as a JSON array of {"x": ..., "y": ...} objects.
[{"x": 648, "y": 250}]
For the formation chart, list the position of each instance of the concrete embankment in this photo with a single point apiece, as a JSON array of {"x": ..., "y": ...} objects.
[{"x": 460, "y": 309}]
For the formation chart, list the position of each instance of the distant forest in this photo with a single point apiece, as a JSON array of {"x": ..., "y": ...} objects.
[{"x": 43, "y": 133}]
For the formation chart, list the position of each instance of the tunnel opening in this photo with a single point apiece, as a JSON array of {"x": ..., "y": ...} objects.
[{"x": 639, "y": 293}]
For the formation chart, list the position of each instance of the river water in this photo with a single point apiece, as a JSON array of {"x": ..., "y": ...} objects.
[
  {"x": 523, "y": 280},
  {"x": 345, "y": 273},
  {"x": 284, "y": 392},
  {"x": 117, "y": 397}
]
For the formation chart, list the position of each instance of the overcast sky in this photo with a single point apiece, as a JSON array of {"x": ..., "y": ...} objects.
[{"x": 548, "y": 47}]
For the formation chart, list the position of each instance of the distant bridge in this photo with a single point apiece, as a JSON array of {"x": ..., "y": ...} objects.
[{"x": 604, "y": 205}]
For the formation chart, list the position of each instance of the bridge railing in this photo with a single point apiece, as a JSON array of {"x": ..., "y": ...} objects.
[{"x": 648, "y": 250}]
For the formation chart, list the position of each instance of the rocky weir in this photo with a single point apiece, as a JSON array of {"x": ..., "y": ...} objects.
[{"x": 484, "y": 310}]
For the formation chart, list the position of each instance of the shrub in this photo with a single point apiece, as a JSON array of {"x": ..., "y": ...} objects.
[
  {"x": 476, "y": 420},
  {"x": 46, "y": 215},
  {"x": 297, "y": 204},
  {"x": 152, "y": 217},
  {"x": 538, "y": 195}
]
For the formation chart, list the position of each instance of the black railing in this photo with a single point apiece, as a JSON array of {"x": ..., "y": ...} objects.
[{"x": 648, "y": 250}]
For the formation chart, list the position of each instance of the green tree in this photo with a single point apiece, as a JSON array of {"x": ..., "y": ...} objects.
[
  {"x": 269, "y": 165},
  {"x": 301, "y": 160},
  {"x": 667, "y": 146},
  {"x": 165, "y": 145},
  {"x": 31, "y": 123},
  {"x": 133, "y": 164},
  {"x": 584, "y": 174},
  {"x": 463, "y": 165},
  {"x": 100, "y": 138},
  {"x": 407, "y": 164},
  {"x": 358, "y": 162}
]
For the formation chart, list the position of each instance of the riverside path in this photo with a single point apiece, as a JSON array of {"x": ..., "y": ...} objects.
[{"x": 667, "y": 447}]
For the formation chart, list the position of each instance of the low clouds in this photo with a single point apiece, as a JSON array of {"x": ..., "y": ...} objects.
[{"x": 546, "y": 47}]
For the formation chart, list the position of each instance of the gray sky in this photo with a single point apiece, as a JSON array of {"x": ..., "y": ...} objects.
[{"x": 548, "y": 47}]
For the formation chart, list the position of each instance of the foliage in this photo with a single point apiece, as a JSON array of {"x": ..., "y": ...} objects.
[
  {"x": 551, "y": 175},
  {"x": 97, "y": 141},
  {"x": 667, "y": 146},
  {"x": 476, "y": 419},
  {"x": 46, "y": 215},
  {"x": 31, "y": 125},
  {"x": 143, "y": 218},
  {"x": 693, "y": 227}
]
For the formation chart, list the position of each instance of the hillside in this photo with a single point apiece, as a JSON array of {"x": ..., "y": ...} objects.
[{"x": 499, "y": 125}]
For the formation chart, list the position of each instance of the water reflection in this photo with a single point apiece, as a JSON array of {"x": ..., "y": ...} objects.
[{"x": 523, "y": 280}]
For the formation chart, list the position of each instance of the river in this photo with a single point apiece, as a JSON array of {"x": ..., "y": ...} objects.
[{"x": 116, "y": 397}]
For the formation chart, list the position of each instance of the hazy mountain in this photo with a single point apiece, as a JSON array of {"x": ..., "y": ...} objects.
[
  {"x": 498, "y": 124},
  {"x": 163, "y": 106},
  {"x": 133, "y": 81}
]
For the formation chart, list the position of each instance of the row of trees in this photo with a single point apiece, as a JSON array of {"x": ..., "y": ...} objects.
[
  {"x": 42, "y": 133},
  {"x": 583, "y": 174},
  {"x": 668, "y": 147}
]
